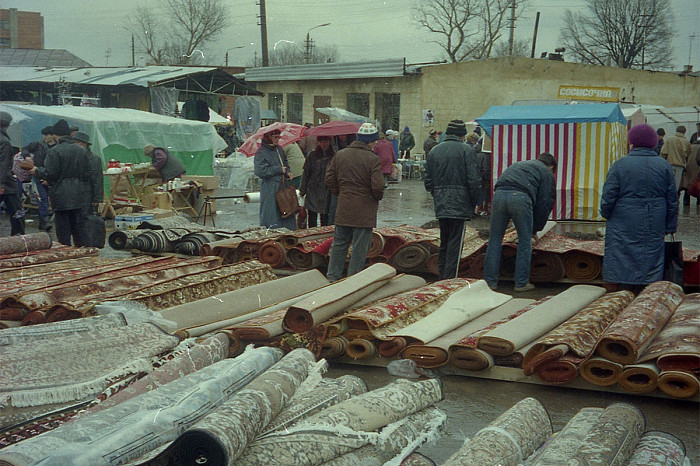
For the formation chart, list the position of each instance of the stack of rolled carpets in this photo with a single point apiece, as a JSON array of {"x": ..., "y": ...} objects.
[{"x": 56, "y": 253}]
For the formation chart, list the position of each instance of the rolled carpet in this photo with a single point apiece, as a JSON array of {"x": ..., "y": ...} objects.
[
  {"x": 304, "y": 260},
  {"x": 327, "y": 302},
  {"x": 4, "y": 324},
  {"x": 582, "y": 266},
  {"x": 122, "y": 239},
  {"x": 639, "y": 378},
  {"x": 410, "y": 256},
  {"x": 12, "y": 313},
  {"x": 544, "y": 317},
  {"x": 398, "y": 284},
  {"x": 561, "y": 370},
  {"x": 627, "y": 337},
  {"x": 376, "y": 245},
  {"x": 471, "y": 359},
  {"x": 612, "y": 439},
  {"x": 476, "y": 268},
  {"x": 600, "y": 371},
  {"x": 334, "y": 347},
  {"x": 658, "y": 448},
  {"x": 25, "y": 243},
  {"x": 433, "y": 264},
  {"x": 546, "y": 267},
  {"x": 565, "y": 443},
  {"x": 510, "y": 439},
  {"x": 678, "y": 384},
  {"x": 272, "y": 253},
  {"x": 392, "y": 347},
  {"x": 360, "y": 349}
]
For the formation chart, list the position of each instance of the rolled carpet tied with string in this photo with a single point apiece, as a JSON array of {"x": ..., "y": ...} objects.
[
  {"x": 546, "y": 316},
  {"x": 222, "y": 435},
  {"x": 337, "y": 297},
  {"x": 564, "y": 443},
  {"x": 624, "y": 340},
  {"x": 25, "y": 243},
  {"x": 678, "y": 384},
  {"x": 272, "y": 253},
  {"x": 579, "y": 334},
  {"x": 639, "y": 378},
  {"x": 582, "y": 266},
  {"x": 612, "y": 438},
  {"x": 600, "y": 371},
  {"x": 510, "y": 439},
  {"x": 658, "y": 448},
  {"x": 546, "y": 267}
]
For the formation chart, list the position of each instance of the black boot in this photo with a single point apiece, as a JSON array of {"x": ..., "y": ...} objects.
[{"x": 686, "y": 197}]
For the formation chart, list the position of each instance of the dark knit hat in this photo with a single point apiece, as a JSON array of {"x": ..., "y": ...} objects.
[
  {"x": 643, "y": 136},
  {"x": 47, "y": 130},
  {"x": 367, "y": 133},
  {"x": 456, "y": 127},
  {"x": 61, "y": 128},
  {"x": 5, "y": 118}
]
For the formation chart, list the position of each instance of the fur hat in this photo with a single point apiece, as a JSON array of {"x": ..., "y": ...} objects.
[
  {"x": 456, "y": 127},
  {"x": 47, "y": 130},
  {"x": 148, "y": 149},
  {"x": 5, "y": 118},
  {"x": 61, "y": 128},
  {"x": 643, "y": 136},
  {"x": 367, "y": 133}
]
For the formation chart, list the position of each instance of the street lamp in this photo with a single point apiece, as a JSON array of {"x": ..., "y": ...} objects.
[
  {"x": 307, "y": 48},
  {"x": 232, "y": 48}
]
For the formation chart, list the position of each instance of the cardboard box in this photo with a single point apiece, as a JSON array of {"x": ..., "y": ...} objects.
[
  {"x": 207, "y": 182},
  {"x": 157, "y": 200},
  {"x": 160, "y": 213},
  {"x": 131, "y": 221}
]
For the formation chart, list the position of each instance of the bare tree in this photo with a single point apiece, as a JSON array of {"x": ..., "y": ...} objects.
[
  {"x": 466, "y": 29},
  {"x": 179, "y": 33},
  {"x": 628, "y": 34},
  {"x": 521, "y": 48},
  {"x": 293, "y": 54}
]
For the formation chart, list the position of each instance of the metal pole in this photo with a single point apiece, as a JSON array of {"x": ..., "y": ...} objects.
[
  {"x": 263, "y": 34},
  {"x": 307, "y": 47},
  {"x": 226, "y": 59},
  {"x": 511, "y": 40},
  {"x": 133, "y": 51},
  {"x": 534, "y": 35}
]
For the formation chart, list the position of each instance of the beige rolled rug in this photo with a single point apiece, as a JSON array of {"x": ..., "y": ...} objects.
[
  {"x": 628, "y": 336},
  {"x": 243, "y": 301},
  {"x": 360, "y": 349},
  {"x": 579, "y": 334},
  {"x": 334, "y": 347},
  {"x": 639, "y": 378},
  {"x": 581, "y": 266},
  {"x": 505, "y": 339},
  {"x": 678, "y": 384},
  {"x": 564, "y": 443},
  {"x": 600, "y": 371},
  {"x": 398, "y": 284},
  {"x": 658, "y": 448},
  {"x": 329, "y": 301}
]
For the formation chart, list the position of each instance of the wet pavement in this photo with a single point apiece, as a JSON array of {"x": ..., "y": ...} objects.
[{"x": 471, "y": 403}]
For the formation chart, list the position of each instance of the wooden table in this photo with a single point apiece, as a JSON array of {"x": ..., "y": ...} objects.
[{"x": 134, "y": 189}]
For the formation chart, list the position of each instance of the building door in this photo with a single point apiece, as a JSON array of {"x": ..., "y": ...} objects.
[
  {"x": 387, "y": 110},
  {"x": 319, "y": 102}
]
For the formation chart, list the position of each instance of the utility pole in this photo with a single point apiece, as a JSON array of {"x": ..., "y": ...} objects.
[
  {"x": 534, "y": 35},
  {"x": 133, "y": 51},
  {"x": 263, "y": 33},
  {"x": 645, "y": 26},
  {"x": 511, "y": 40},
  {"x": 307, "y": 48}
]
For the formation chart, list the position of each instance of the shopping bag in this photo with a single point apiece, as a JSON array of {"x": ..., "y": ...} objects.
[
  {"x": 96, "y": 232},
  {"x": 673, "y": 261},
  {"x": 287, "y": 200},
  {"x": 694, "y": 188}
]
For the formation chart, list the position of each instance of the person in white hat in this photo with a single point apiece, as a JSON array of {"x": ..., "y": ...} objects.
[{"x": 355, "y": 176}]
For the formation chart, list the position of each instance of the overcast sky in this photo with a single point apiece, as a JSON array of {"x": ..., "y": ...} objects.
[{"x": 361, "y": 29}]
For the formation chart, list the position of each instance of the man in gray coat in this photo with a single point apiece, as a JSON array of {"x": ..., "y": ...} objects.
[
  {"x": 95, "y": 193},
  {"x": 9, "y": 192},
  {"x": 67, "y": 170},
  {"x": 452, "y": 177},
  {"x": 355, "y": 176}
]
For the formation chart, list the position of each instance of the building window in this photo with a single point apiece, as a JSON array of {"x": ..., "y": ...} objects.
[
  {"x": 4, "y": 24},
  {"x": 387, "y": 110},
  {"x": 295, "y": 108},
  {"x": 274, "y": 103},
  {"x": 5, "y": 42},
  {"x": 358, "y": 103}
]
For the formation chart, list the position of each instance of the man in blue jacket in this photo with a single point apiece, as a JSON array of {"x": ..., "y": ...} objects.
[
  {"x": 452, "y": 177},
  {"x": 524, "y": 193}
]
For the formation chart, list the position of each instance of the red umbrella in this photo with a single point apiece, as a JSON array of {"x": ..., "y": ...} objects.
[
  {"x": 333, "y": 128},
  {"x": 289, "y": 133}
]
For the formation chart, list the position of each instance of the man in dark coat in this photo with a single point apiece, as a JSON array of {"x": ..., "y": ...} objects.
[
  {"x": 313, "y": 182},
  {"x": 524, "y": 193},
  {"x": 452, "y": 177},
  {"x": 38, "y": 150},
  {"x": 430, "y": 142},
  {"x": 406, "y": 143},
  {"x": 168, "y": 167},
  {"x": 67, "y": 170},
  {"x": 9, "y": 192},
  {"x": 96, "y": 187},
  {"x": 640, "y": 204},
  {"x": 355, "y": 176}
]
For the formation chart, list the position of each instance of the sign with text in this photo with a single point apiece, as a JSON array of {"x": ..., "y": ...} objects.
[{"x": 599, "y": 94}]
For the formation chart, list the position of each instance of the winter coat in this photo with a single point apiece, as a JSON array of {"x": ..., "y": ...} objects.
[
  {"x": 68, "y": 170},
  {"x": 640, "y": 205},
  {"x": 268, "y": 168},
  {"x": 296, "y": 159},
  {"x": 676, "y": 150},
  {"x": 452, "y": 177},
  {"x": 38, "y": 150},
  {"x": 313, "y": 182},
  {"x": 407, "y": 142},
  {"x": 535, "y": 179},
  {"x": 7, "y": 155},
  {"x": 97, "y": 186},
  {"x": 355, "y": 176},
  {"x": 428, "y": 144},
  {"x": 385, "y": 152},
  {"x": 692, "y": 170},
  {"x": 167, "y": 165}
]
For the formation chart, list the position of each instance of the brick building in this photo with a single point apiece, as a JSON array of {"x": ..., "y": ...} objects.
[{"x": 21, "y": 29}]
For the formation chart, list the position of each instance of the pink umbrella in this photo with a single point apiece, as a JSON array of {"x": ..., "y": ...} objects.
[
  {"x": 289, "y": 133},
  {"x": 334, "y": 128}
]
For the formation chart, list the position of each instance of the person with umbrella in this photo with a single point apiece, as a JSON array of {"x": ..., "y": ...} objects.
[
  {"x": 271, "y": 166},
  {"x": 318, "y": 197}
]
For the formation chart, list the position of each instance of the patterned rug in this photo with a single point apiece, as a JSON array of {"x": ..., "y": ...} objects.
[
  {"x": 24, "y": 243},
  {"x": 137, "y": 426},
  {"x": 678, "y": 384},
  {"x": 564, "y": 444},
  {"x": 508, "y": 440},
  {"x": 506, "y": 338},
  {"x": 20, "y": 273},
  {"x": 579, "y": 334},
  {"x": 658, "y": 448},
  {"x": 316, "y": 234},
  {"x": 600, "y": 371},
  {"x": 54, "y": 254},
  {"x": 641, "y": 320},
  {"x": 639, "y": 378},
  {"x": 613, "y": 437}
]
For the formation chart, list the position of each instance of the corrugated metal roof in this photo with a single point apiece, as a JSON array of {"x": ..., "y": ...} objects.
[
  {"x": 368, "y": 69},
  {"x": 39, "y": 57}
]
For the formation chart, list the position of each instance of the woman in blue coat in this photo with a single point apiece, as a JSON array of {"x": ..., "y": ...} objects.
[
  {"x": 640, "y": 204},
  {"x": 270, "y": 165}
]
